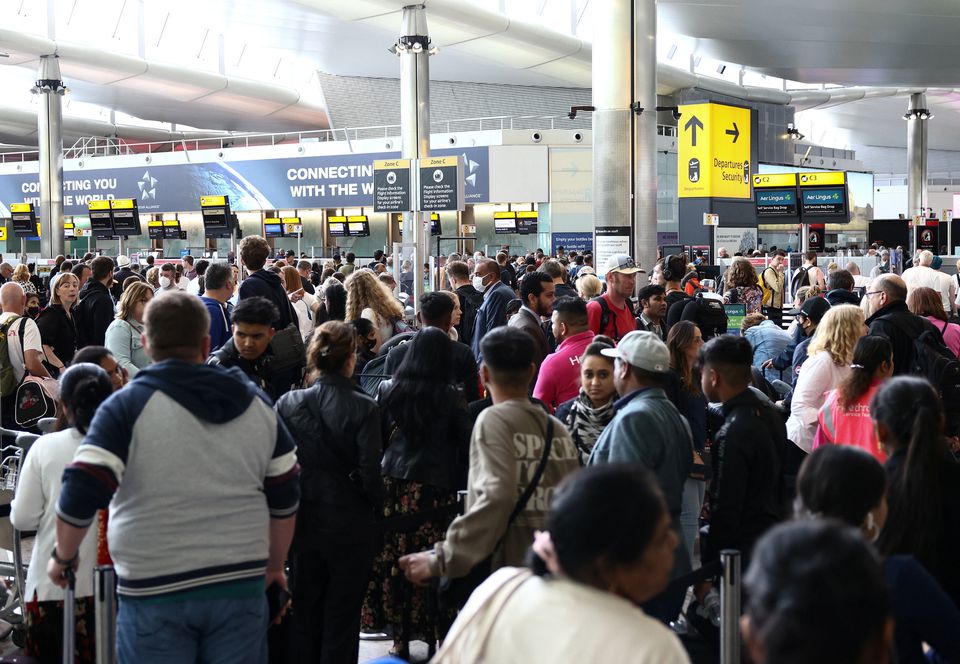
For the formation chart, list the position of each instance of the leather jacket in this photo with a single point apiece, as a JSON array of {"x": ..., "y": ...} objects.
[
  {"x": 440, "y": 456},
  {"x": 337, "y": 430}
]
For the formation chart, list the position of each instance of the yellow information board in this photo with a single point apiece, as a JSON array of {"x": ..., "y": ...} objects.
[
  {"x": 3, "y": 233},
  {"x": 775, "y": 180},
  {"x": 822, "y": 178},
  {"x": 714, "y": 151},
  {"x": 212, "y": 201}
]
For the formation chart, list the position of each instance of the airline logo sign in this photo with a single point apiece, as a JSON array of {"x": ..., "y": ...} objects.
[{"x": 714, "y": 151}]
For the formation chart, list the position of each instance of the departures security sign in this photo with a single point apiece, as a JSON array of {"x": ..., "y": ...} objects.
[
  {"x": 391, "y": 185},
  {"x": 441, "y": 187},
  {"x": 714, "y": 151}
]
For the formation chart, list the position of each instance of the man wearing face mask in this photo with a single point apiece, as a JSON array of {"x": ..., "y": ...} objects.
[
  {"x": 436, "y": 310},
  {"x": 168, "y": 279},
  {"x": 496, "y": 296}
]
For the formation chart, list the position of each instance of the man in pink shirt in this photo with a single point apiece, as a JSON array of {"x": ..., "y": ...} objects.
[{"x": 559, "y": 378}]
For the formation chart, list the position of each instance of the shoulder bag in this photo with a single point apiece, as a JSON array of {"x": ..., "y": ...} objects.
[
  {"x": 452, "y": 594},
  {"x": 36, "y": 397}
]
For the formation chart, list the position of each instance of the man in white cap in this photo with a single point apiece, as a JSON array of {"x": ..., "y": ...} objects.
[
  {"x": 649, "y": 430},
  {"x": 612, "y": 313},
  {"x": 122, "y": 274}
]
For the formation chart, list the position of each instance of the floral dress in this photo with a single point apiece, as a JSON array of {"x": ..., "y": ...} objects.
[{"x": 751, "y": 296}]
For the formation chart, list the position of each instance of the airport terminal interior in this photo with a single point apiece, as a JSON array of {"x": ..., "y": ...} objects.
[{"x": 479, "y": 331}]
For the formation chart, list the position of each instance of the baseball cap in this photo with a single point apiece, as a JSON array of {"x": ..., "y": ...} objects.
[
  {"x": 813, "y": 308},
  {"x": 623, "y": 264},
  {"x": 586, "y": 269},
  {"x": 122, "y": 261},
  {"x": 643, "y": 350}
]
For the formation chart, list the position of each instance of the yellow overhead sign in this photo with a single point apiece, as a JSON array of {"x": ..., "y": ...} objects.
[
  {"x": 212, "y": 201},
  {"x": 775, "y": 180},
  {"x": 714, "y": 151},
  {"x": 436, "y": 162},
  {"x": 122, "y": 204},
  {"x": 390, "y": 164},
  {"x": 822, "y": 178},
  {"x": 3, "y": 233},
  {"x": 101, "y": 204},
  {"x": 21, "y": 207}
]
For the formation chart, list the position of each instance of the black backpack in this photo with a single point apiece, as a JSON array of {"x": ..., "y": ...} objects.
[
  {"x": 472, "y": 301},
  {"x": 605, "y": 315},
  {"x": 710, "y": 317},
  {"x": 932, "y": 360},
  {"x": 799, "y": 279}
]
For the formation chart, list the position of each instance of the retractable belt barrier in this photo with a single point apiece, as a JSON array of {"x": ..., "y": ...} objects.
[
  {"x": 105, "y": 613},
  {"x": 730, "y": 607},
  {"x": 69, "y": 616}
]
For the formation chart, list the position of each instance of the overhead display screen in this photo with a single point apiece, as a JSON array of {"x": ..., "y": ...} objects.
[
  {"x": 272, "y": 227},
  {"x": 776, "y": 202},
  {"x": 504, "y": 223},
  {"x": 215, "y": 211},
  {"x": 24, "y": 219},
  {"x": 101, "y": 218},
  {"x": 824, "y": 202},
  {"x": 527, "y": 223},
  {"x": 358, "y": 226},
  {"x": 337, "y": 226},
  {"x": 126, "y": 216}
]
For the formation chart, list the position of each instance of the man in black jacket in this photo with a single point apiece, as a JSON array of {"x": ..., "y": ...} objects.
[
  {"x": 254, "y": 251},
  {"x": 94, "y": 310},
  {"x": 470, "y": 299},
  {"x": 840, "y": 289},
  {"x": 436, "y": 310},
  {"x": 746, "y": 495},
  {"x": 888, "y": 316},
  {"x": 122, "y": 274},
  {"x": 249, "y": 347}
]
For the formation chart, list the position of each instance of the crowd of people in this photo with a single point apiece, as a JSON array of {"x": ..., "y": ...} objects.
[{"x": 544, "y": 439}]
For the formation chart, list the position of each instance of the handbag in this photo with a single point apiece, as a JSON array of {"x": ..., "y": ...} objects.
[
  {"x": 452, "y": 594},
  {"x": 36, "y": 397}
]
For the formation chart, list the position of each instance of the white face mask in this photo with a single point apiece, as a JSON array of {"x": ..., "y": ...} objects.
[
  {"x": 478, "y": 283},
  {"x": 164, "y": 282}
]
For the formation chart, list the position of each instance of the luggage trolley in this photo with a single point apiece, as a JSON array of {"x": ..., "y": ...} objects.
[{"x": 12, "y": 604}]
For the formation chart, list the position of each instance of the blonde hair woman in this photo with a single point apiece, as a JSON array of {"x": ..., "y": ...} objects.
[
  {"x": 588, "y": 286},
  {"x": 58, "y": 329},
  {"x": 153, "y": 278},
  {"x": 827, "y": 364},
  {"x": 21, "y": 275},
  {"x": 123, "y": 334},
  {"x": 368, "y": 298}
]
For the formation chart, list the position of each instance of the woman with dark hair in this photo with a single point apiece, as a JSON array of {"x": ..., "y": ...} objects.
[
  {"x": 334, "y": 300},
  {"x": 83, "y": 387},
  {"x": 743, "y": 286},
  {"x": 926, "y": 302},
  {"x": 608, "y": 549},
  {"x": 337, "y": 430},
  {"x": 685, "y": 341},
  {"x": 368, "y": 343},
  {"x": 849, "y": 485},
  {"x": 844, "y": 418},
  {"x": 589, "y": 413},
  {"x": 816, "y": 593},
  {"x": 923, "y": 480},
  {"x": 426, "y": 429}
]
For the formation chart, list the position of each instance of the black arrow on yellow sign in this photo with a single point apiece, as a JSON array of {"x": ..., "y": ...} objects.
[
  {"x": 733, "y": 132},
  {"x": 693, "y": 124}
]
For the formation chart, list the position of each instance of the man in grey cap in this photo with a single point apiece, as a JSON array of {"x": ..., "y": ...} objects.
[
  {"x": 612, "y": 313},
  {"x": 649, "y": 430},
  {"x": 883, "y": 266}
]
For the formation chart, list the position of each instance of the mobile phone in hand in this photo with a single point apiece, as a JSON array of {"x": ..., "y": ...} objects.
[{"x": 277, "y": 598}]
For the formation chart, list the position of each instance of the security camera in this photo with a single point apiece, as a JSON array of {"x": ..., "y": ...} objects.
[
  {"x": 578, "y": 137},
  {"x": 452, "y": 140},
  {"x": 536, "y": 137}
]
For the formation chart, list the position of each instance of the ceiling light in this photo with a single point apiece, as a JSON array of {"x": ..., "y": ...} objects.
[
  {"x": 918, "y": 114},
  {"x": 672, "y": 52}
]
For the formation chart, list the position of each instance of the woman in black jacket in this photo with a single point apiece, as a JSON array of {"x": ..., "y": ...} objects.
[
  {"x": 337, "y": 429},
  {"x": 58, "y": 328},
  {"x": 427, "y": 428}
]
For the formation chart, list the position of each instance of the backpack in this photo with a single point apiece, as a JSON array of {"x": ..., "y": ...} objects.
[
  {"x": 8, "y": 378},
  {"x": 767, "y": 291},
  {"x": 605, "y": 315},
  {"x": 932, "y": 360},
  {"x": 470, "y": 304},
  {"x": 799, "y": 279},
  {"x": 710, "y": 316}
]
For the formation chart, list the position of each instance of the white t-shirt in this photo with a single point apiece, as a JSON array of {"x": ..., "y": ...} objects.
[
  {"x": 818, "y": 375},
  {"x": 558, "y": 621},
  {"x": 31, "y": 341},
  {"x": 34, "y": 508},
  {"x": 923, "y": 276},
  {"x": 304, "y": 317},
  {"x": 193, "y": 286}
]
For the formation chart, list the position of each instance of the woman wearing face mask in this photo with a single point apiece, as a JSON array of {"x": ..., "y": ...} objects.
[
  {"x": 847, "y": 484},
  {"x": 123, "y": 334},
  {"x": 589, "y": 413},
  {"x": 58, "y": 329},
  {"x": 608, "y": 548},
  {"x": 368, "y": 344},
  {"x": 33, "y": 305}
]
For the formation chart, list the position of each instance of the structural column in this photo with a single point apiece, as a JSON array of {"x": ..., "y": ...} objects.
[
  {"x": 50, "y": 141},
  {"x": 624, "y": 137},
  {"x": 916, "y": 116},
  {"x": 413, "y": 49}
]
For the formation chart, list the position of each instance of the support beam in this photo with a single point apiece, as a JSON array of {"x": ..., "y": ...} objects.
[
  {"x": 916, "y": 160},
  {"x": 50, "y": 140},
  {"x": 645, "y": 132}
]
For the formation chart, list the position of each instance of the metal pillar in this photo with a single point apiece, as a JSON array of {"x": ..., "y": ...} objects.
[
  {"x": 730, "y": 607},
  {"x": 413, "y": 48},
  {"x": 645, "y": 132},
  {"x": 50, "y": 141},
  {"x": 624, "y": 136},
  {"x": 916, "y": 116}
]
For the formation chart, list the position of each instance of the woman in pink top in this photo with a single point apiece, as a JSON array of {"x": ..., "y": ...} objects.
[
  {"x": 926, "y": 302},
  {"x": 845, "y": 416}
]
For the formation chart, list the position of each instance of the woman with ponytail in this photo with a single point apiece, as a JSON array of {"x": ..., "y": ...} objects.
[
  {"x": 83, "y": 387},
  {"x": 923, "y": 480},
  {"x": 844, "y": 418},
  {"x": 337, "y": 430},
  {"x": 608, "y": 548}
]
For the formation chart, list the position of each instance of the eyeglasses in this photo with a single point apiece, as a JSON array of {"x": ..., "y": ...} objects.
[{"x": 869, "y": 293}]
